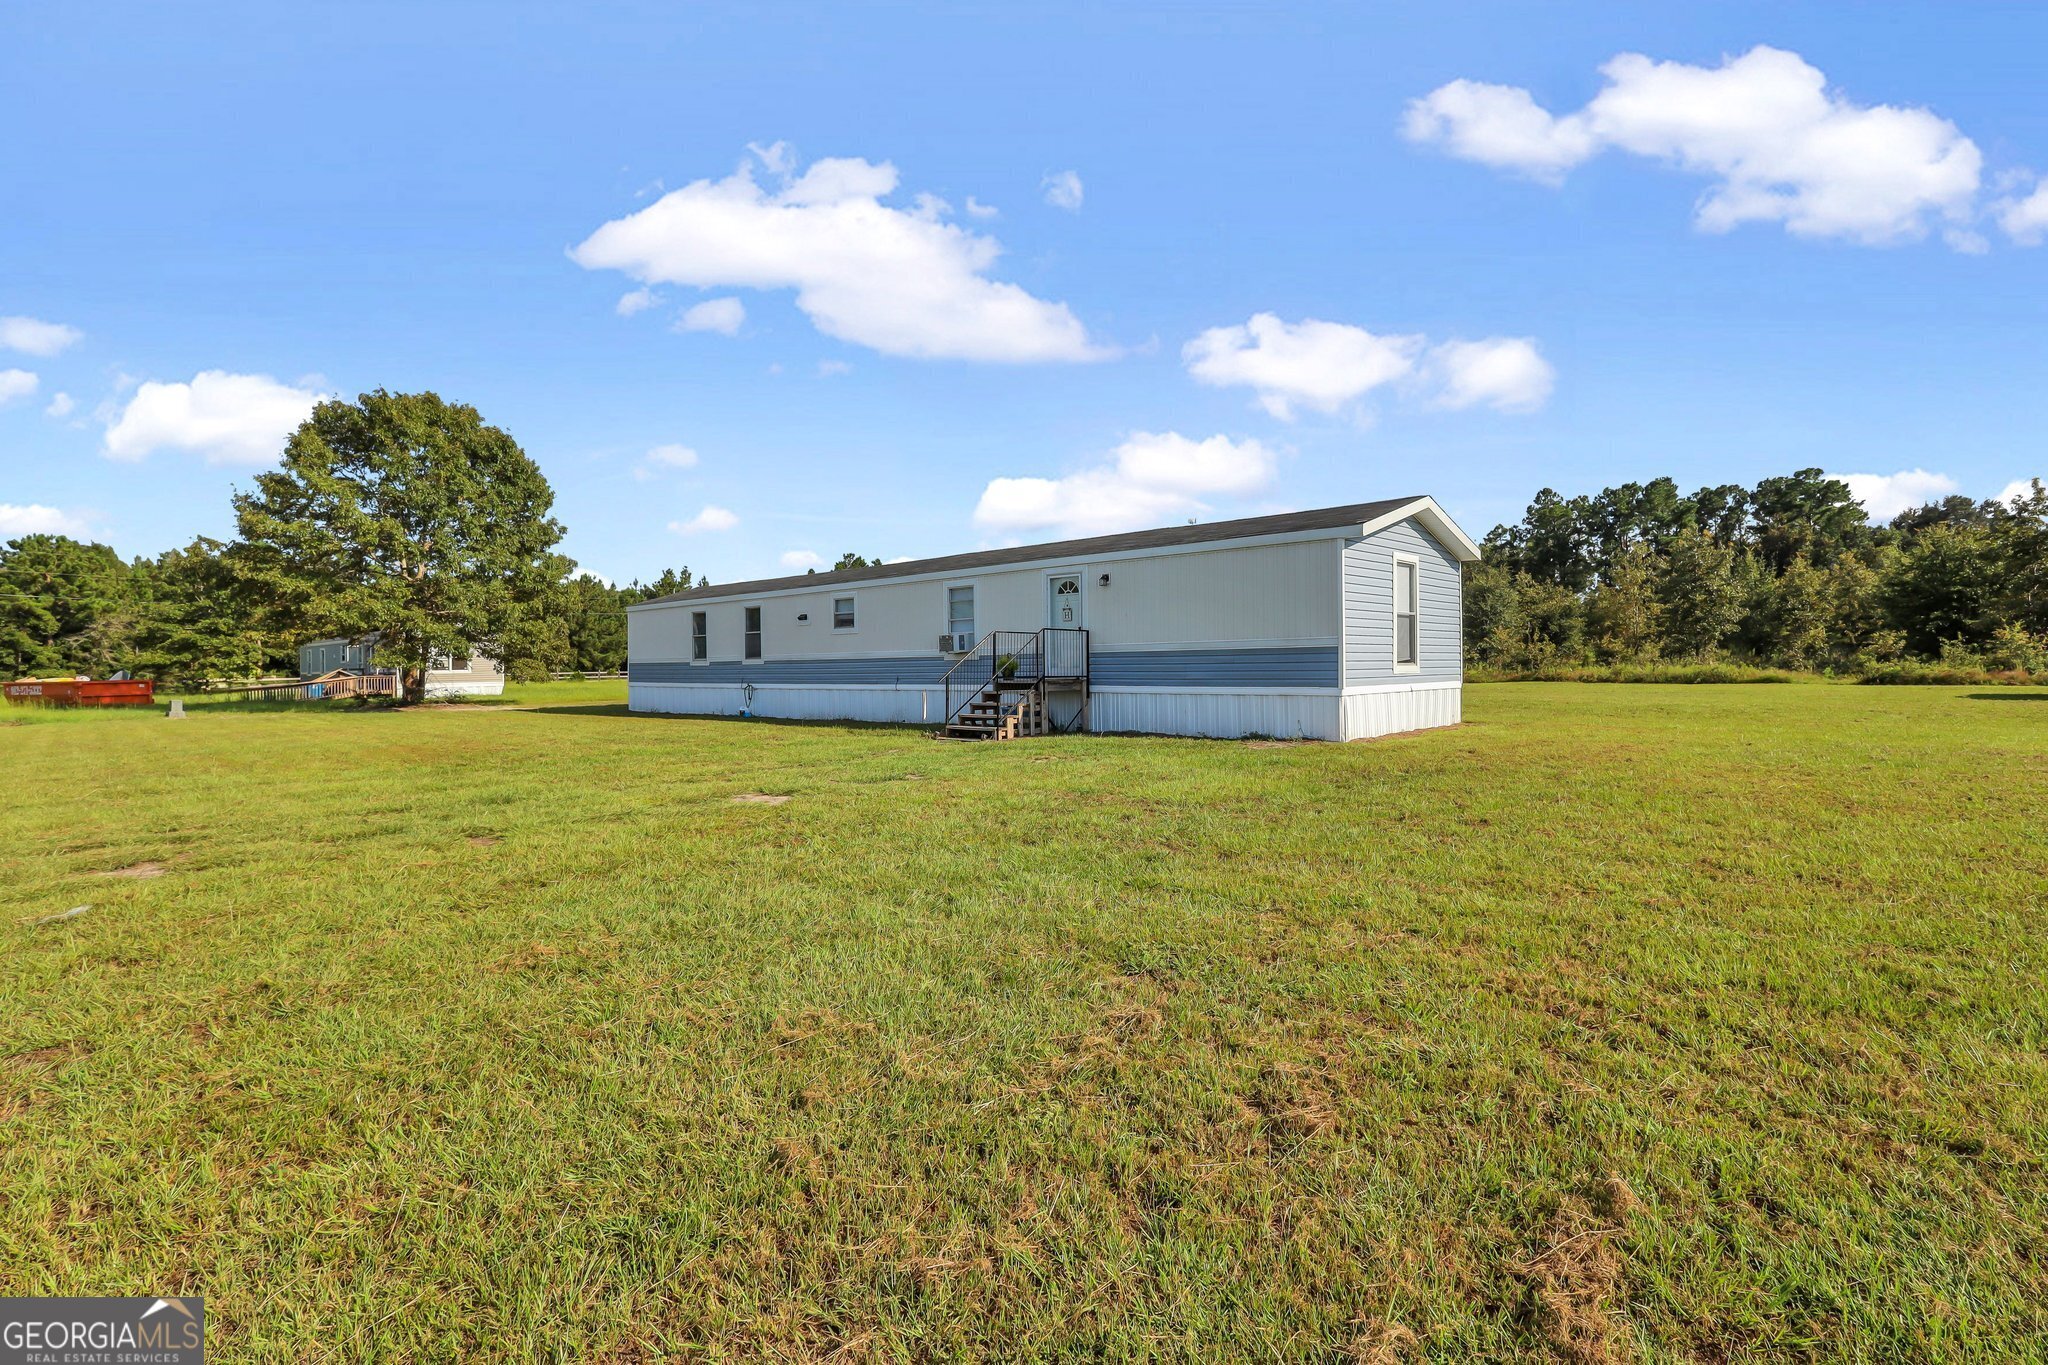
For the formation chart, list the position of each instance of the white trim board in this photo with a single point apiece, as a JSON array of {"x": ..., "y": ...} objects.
[
  {"x": 1434, "y": 520},
  {"x": 1418, "y": 685}
]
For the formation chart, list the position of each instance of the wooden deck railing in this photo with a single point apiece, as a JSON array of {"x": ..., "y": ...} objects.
[{"x": 327, "y": 687}]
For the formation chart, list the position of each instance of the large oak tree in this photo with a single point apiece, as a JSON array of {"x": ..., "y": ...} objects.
[{"x": 407, "y": 516}]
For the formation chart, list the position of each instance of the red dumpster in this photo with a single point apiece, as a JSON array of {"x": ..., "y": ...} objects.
[{"x": 81, "y": 692}]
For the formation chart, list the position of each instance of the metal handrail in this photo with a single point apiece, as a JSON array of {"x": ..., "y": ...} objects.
[{"x": 1020, "y": 655}]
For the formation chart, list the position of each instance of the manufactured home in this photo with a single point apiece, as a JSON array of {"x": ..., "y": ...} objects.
[
  {"x": 1341, "y": 623},
  {"x": 463, "y": 675}
]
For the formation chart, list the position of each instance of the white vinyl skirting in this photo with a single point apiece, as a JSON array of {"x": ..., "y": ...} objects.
[
  {"x": 1303, "y": 713},
  {"x": 1214, "y": 712},
  {"x": 1391, "y": 708}
]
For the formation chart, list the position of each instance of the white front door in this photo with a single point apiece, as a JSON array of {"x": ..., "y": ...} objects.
[{"x": 1064, "y": 592}]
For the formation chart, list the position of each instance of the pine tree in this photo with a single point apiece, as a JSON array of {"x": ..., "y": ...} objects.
[
  {"x": 1702, "y": 602},
  {"x": 1623, "y": 614},
  {"x": 1801, "y": 617}
]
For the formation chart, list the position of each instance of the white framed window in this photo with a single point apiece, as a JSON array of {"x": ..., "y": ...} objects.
[
  {"x": 960, "y": 609},
  {"x": 1407, "y": 614},
  {"x": 842, "y": 613},
  {"x": 700, "y": 636},
  {"x": 753, "y": 633}
]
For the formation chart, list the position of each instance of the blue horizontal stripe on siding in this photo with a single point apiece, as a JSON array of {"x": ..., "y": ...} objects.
[
  {"x": 1301, "y": 666},
  {"x": 1311, "y": 666}
]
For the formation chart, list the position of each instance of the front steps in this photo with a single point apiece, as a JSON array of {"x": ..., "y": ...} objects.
[{"x": 1001, "y": 712}]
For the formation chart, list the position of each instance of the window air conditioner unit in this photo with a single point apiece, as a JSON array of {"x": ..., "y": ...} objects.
[{"x": 956, "y": 642}]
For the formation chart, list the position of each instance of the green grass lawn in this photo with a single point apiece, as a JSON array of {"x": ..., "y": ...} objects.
[{"x": 1620, "y": 1022}]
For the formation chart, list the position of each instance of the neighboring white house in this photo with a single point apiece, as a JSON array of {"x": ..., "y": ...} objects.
[
  {"x": 1340, "y": 623},
  {"x": 468, "y": 675}
]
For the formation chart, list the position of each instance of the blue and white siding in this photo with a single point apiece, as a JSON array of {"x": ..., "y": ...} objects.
[
  {"x": 1379, "y": 697},
  {"x": 1231, "y": 639},
  {"x": 1267, "y": 636}
]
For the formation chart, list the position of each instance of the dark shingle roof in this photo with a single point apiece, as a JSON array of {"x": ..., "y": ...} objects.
[{"x": 1318, "y": 519}]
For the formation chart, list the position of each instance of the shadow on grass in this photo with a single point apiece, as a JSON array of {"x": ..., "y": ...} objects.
[{"x": 2006, "y": 696}]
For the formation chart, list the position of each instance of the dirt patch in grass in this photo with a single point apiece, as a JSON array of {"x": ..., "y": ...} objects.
[
  {"x": 1383, "y": 1343},
  {"x": 759, "y": 799},
  {"x": 1292, "y": 1101},
  {"x": 134, "y": 870},
  {"x": 1575, "y": 1279},
  {"x": 51, "y": 1057},
  {"x": 532, "y": 956},
  {"x": 484, "y": 840}
]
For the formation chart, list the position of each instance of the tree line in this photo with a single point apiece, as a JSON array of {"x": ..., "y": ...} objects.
[
  {"x": 409, "y": 516},
  {"x": 398, "y": 513},
  {"x": 186, "y": 616},
  {"x": 1788, "y": 574}
]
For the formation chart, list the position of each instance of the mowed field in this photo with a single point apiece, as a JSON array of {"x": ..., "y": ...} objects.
[{"x": 1622, "y": 1022}]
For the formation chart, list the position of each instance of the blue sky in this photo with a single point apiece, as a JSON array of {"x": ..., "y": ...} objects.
[{"x": 209, "y": 214}]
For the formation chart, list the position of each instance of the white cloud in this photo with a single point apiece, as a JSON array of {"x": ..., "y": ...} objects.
[
  {"x": 863, "y": 271},
  {"x": 1776, "y": 143},
  {"x": 1320, "y": 365},
  {"x": 637, "y": 301},
  {"x": 710, "y": 519},
  {"x": 1328, "y": 366},
  {"x": 802, "y": 559},
  {"x": 977, "y": 209},
  {"x": 828, "y": 368},
  {"x": 2018, "y": 488},
  {"x": 1063, "y": 190},
  {"x": 777, "y": 158},
  {"x": 2025, "y": 220},
  {"x": 1884, "y": 496},
  {"x": 1506, "y": 373},
  {"x": 16, "y": 384},
  {"x": 1152, "y": 479},
  {"x": 669, "y": 456},
  {"x": 33, "y": 519},
  {"x": 36, "y": 337},
  {"x": 61, "y": 405},
  {"x": 226, "y": 418},
  {"x": 1500, "y": 126},
  {"x": 723, "y": 316}
]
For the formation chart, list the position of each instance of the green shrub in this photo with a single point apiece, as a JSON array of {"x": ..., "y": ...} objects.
[
  {"x": 2011, "y": 646},
  {"x": 1909, "y": 672}
]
